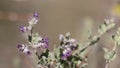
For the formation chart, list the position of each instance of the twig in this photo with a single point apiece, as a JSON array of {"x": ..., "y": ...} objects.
[
  {"x": 106, "y": 66},
  {"x": 108, "y": 61}
]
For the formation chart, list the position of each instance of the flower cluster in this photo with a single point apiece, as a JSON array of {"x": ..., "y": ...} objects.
[
  {"x": 23, "y": 48},
  {"x": 69, "y": 54},
  {"x": 34, "y": 39},
  {"x": 68, "y": 45},
  {"x": 31, "y": 22}
]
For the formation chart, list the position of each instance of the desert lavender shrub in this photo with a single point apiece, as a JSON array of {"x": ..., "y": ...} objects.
[{"x": 69, "y": 53}]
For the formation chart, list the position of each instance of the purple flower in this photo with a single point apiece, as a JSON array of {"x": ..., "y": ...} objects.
[
  {"x": 33, "y": 21},
  {"x": 45, "y": 40},
  {"x": 45, "y": 45},
  {"x": 19, "y": 46},
  {"x": 36, "y": 15},
  {"x": 41, "y": 44},
  {"x": 24, "y": 49},
  {"x": 28, "y": 53},
  {"x": 22, "y": 28},
  {"x": 73, "y": 47},
  {"x": 66, "y": 53}
]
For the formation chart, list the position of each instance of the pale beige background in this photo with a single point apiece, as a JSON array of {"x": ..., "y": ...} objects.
[{"x": 56, "y": 17}]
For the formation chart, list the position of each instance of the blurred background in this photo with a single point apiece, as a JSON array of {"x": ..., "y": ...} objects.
[{"x": 56, "y": 17}]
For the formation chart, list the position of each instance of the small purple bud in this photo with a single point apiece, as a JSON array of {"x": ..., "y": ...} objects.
[
  {"x": 68, "y": 53},
  {"x": 63, "y": 57},
  {"x": 36, "y": 15},
  {"x": 73, "y": 47},
  {"x": 46, "y": 45},
  {"x": 22, "y": 28},
  {"x": 45, "y": 40},
  {"x": 28, "y": 53},
  {"x": 19, "y": 46}
]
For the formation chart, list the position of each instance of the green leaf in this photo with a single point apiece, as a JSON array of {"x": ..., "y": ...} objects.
[
  {"x": 45, "y": 54},
  {"x": 35, "y": 34},
  {"x": 64, "y": 63},
  {"x": 102, "y": 28},
  {"x": 110, "y": 55},
  {"x": 111, "y": 25},
  {"x": 94, "y": 40},
  {"x": 57, "y": 53},
  {"x": 51, "y": 56},
  {"x": 42, "y": 60},
  {"x": 105, "y": 50},
  {"x": 84, "y": 65},
  {"x": 29, "y": 38},
  {"x": 105, "y": 27},
  {"x": 116, "y": 38}
]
